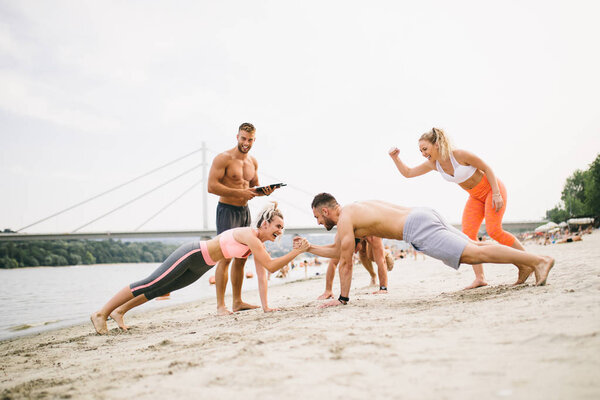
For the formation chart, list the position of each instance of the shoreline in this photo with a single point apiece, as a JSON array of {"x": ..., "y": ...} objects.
[
  {"x": 28, "y": 319},
  {"x": 425, "y": 339}
]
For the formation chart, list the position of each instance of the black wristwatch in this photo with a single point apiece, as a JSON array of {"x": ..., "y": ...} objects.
[
  {"x": 343, "y": 300},
  {"x": 383, "y": 288}
]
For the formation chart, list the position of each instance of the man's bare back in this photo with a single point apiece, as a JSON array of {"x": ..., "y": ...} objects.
[{"x": 374, "y": 218}]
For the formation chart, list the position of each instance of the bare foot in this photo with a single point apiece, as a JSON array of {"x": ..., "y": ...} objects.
[
  {"x": 326, "y": 295},
  {"x": 99, "y": 322},
  {"x": 542, "y": 270},
  {"x": 117, "y": 316},
  {"x": 241, "y": 306},
  {"x": 381, "y": 292},
  {"x": 524, "y": 273},
  {"x": 223, "y": 311},
  {"x": 476, "y": 283}
]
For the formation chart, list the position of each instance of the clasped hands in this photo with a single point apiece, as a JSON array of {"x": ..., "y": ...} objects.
[{"x": 301, "y": 243}]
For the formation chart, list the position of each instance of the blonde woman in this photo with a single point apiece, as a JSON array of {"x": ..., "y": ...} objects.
[
  {"x": 487, "y": 194},
  {"x": 192, "y": 260}
]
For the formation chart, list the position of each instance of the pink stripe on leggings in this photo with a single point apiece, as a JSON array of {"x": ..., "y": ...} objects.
[{"x": 167, "y": 271}]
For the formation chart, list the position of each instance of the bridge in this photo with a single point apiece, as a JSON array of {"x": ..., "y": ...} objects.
[
  {"x": 14, "y": 237},
  {"x": 75, "y": 234},
  {"x": 513, "y": 227}
]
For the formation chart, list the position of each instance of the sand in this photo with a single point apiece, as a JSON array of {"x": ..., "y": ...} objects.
[{"x": 425, "y": 339}]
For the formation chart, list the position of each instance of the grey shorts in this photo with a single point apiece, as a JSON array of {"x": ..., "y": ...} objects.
[
  {"x": 229, "y": 216},
  {"x": 429, "y": 232}
]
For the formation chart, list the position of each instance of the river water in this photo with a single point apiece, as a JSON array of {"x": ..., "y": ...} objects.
[{"x": 42, "y": 298}]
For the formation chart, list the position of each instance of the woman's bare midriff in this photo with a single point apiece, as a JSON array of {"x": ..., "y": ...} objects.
[
  {"x": 472, "y": 181},
  {"x": 214, "y": 249}
]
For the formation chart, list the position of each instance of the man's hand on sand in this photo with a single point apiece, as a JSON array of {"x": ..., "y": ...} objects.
[
  {"x": 268, "y": 309},
  {"x": 332, "y": 303},
  {"x": 380, "y": 291},
  {"x": 393, "y": 152}
]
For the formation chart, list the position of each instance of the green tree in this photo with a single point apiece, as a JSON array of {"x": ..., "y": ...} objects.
[
  {"x": 558, "y": 214},
  {"x": 573, "y": 194},
  {"x": 580, "y": 195},
  {"x": 30, "y": 261},
  {"x": 147, "y": 257},
  {"x": 74, "y": 258},
  {"x": 6, "y": 262},
  {"x": 58, "y": 253},
  {"x": 593, "y": 188},
  {"x": 47, "y": 262},
  {"x": 89, "y": 258}
]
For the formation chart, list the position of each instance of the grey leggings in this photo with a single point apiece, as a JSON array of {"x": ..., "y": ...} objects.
[{"x": 182, "y": 268}]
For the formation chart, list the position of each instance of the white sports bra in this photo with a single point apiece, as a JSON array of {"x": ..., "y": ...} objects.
[{"x": 461, "y": 172}]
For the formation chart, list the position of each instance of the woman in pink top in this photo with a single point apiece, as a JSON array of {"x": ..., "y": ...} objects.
[
  {"x": 192, "y": 260},
  {"x": 487, "y": 194}
]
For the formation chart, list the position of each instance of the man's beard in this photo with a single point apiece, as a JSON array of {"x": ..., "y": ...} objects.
[
  {"x": 241, "y": 149},
  {"x": 329, "y": 224}
]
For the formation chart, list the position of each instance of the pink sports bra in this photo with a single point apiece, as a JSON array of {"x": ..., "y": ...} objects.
[
  {"x": 231, "y": 248},
  {"x": 461, "y": 172}
]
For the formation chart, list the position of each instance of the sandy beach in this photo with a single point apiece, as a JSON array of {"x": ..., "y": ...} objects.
[{"x": 425, "y": 339}]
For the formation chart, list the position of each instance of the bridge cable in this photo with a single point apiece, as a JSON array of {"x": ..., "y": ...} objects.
[
  {"x": 140, "y": 196},
  {"x": 168, "y": 205},
  {"x": 110, "y": 190}
]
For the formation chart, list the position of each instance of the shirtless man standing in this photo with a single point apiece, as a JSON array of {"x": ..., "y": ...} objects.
[
  {"x": 369, "y": 249},
  {"x": 231, "y": 177},
  {"x": 422, "y": 227}
]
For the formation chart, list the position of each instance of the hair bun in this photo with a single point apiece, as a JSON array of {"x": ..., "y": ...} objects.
[{"x": 267, "y": 213}]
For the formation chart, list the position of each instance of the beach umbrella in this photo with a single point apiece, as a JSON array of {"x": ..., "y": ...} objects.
[
  {"x": 563, "y": 224},
  {"x": 580, "y": 221},
  {"x": 546, "y": 227}
]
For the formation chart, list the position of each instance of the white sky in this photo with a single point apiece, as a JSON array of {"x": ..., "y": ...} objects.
[{"x": 94, "y": 93}]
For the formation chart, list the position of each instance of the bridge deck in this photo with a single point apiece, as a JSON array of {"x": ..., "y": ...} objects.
[{"x": 514, "y": 227}]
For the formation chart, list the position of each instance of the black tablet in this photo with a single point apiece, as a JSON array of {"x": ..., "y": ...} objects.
[{"x": 272, "y": 186}]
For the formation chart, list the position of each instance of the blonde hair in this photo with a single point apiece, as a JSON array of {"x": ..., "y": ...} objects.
[
  {"x": 436, "y": 135},
  {"x": 268, "y": 213}
]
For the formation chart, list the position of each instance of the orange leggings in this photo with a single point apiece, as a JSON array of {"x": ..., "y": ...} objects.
[{"x": 478, "y": 207}]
